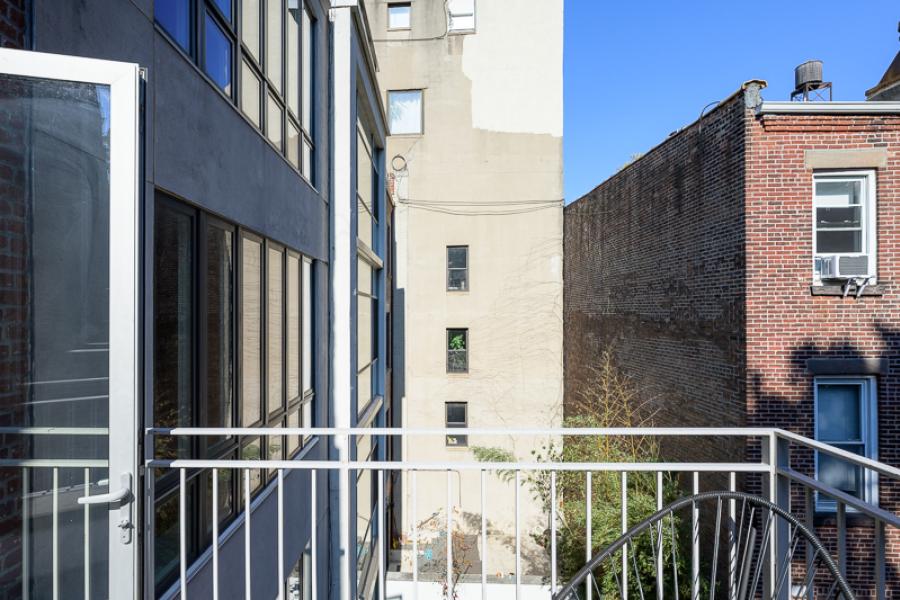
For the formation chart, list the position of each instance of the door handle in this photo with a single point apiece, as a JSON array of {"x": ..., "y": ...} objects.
[{"x": 119, "y": 495}]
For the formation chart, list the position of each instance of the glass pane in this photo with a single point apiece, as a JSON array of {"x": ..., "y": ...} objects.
[
  {"x": 838, "y": 241},
  {"x": 175, "y": 18},
  {"x": 456, "y": 413},
  {"x": 293, "y": 441},
  {"x": 841, "y": 474},
  {"x": 840, "y": 412},
  {"x": 846, "y": 216},
  {"x": 225, "y": 7},
  {"x": 364, "y": 388},
  {"x": 225, "y": 498},
  {"x": 273, "y": 120},
  {"x": 363, "y": 170},
  {"x": 307, "y": 160},
  {"x": 293, "y": 144},
  {"x": 293, "y": 327},
  {"x": 838, "y": 193},
  {"x": 166, "y": 522},
  {"x": 456, "y": 339},
  {"x": 217, "y": 63},
  {"x": 364, "y": 276},
  {"x": 54, "y": 215},
  {"x": 252, "y": 451},
  {"x": 294, "y": 584},
  {"x": 405, "y": 112},
  {"x": 251, "y": 330},
  {"x": 219, "y": 327},
  {"x": 364, "y": 324},
  {"x": 457, "y": 257},
  {"x": 274, "y": 13},
  {"x": 250, "y": 26},
  {"x": 275, "y": 447},
  {"x": 307, "y": 57},
  {"x": 307, "y": 326},
  {"x": 173, "y": 356},
  {"x": 364, "y": 224},
  {"x": 456, "y": 279},
  {"x": 398, "y": 16},
  {"x": 307, "y": 416},
  {"x": 275, "y": 331},
  {"x": 292, "y": 94},
  {"x": 250, "y": 88}
]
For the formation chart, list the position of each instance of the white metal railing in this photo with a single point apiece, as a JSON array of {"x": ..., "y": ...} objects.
[{"x": 774, "y": 467}]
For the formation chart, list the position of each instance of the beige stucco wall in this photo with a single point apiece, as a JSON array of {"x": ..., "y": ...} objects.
[{"x": 492, "y": 143}]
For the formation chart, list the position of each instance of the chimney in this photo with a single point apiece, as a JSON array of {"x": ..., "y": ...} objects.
[
  {"x": 889, "y": 87},
  {"x": 809, "y": 84}
]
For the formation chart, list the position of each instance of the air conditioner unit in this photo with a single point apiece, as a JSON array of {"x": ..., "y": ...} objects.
[{"x": 841, "y": 266}]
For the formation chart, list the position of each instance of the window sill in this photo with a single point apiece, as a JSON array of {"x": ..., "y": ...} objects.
[{"x": 838, "y": 290}]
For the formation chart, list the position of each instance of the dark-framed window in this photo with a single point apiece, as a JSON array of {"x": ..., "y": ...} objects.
[
  {"x": 261, "y": 55},
  {"x": 229, "y": 337},
  {"x": 457, "y": 268},
  {"x": 456, "y": 415},
  {"x": 457, "y": 350}
]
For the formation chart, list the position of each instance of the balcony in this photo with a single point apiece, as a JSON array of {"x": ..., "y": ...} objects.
[{"x": 528, "y": 547}]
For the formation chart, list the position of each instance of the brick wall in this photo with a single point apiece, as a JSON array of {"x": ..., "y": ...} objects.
[
  {"x": 653, "y": 267},
  {"x": 14, "y": 311},
  {"x": 786, "y": 324},
  {"x": 13, "y": 19}
]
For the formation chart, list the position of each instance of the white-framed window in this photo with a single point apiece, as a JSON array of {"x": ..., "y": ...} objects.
[
  {"x": 399, "y": 15},
  {"x": 461, "y": 15},
  {"x": 405, "y": 112},
  {"x": 846, "y": 417},
  {"x": 844, "y": 231}
]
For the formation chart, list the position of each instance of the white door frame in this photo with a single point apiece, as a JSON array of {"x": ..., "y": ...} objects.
[{"x": 123, "y": 80}]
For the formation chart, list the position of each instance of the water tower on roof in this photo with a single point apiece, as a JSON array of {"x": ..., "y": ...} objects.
[{"x": 809, "y": 85}]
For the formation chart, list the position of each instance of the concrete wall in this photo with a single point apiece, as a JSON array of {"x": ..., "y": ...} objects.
[{"x": 487, "y": 173}]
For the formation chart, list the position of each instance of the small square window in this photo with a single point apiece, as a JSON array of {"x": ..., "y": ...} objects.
[
  {"x": 405, "y": 112},
  {"x": 457, "y": 415},
  {"x": 399, "y": 15},
  {"x": 457, "y": 350},
  {"x": 457, "y": 268}
]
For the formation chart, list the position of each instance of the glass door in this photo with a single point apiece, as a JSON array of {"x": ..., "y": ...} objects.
[{"x": 68, "y": 319}]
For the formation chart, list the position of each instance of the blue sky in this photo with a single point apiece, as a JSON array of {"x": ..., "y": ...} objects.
[{"x": 637, "y": 70}]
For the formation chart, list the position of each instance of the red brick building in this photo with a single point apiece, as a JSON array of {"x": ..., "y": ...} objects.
[{"x": 745, "y": 271}]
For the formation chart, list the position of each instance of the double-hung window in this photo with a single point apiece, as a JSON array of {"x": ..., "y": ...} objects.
[
  {"x": 846, "y": 417},
  {"x": 457, "y": 350},
  {"x": 461, "y": 16},
  {"x": 457, "y": 415},
  {"x": 457, "y": 268},
  {"x": 844, "y": 238}
]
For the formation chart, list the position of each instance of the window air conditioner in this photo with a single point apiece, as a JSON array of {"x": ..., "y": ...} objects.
[{"x": 839, "y": 266}]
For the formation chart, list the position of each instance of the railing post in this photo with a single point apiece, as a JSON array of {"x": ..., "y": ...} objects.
[{"x": 777, "y": 454}]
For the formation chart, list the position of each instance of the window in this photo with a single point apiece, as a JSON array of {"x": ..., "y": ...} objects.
[
  {"x": 846, "y": 418},
  {"x": 268, "y": 71},
  {"x": 251, "y": 331},
  {"x": 461, "y": 15},
  {"x": 457, "y": 268},
  {"x": 399, "y": 15},
  {"x": 457, "y": 415},
  {"x": 457, "y": 350},
  {"x": 175, "y": 18},
  {"x": 275, "y": 330},
  {"x": 299, "y": 582},
  {"x": 844, "y": 225},
  {"x": 230, "y": 315},
  {"x": 217, "y": 55},
  {"x": 405, "y": 112}
]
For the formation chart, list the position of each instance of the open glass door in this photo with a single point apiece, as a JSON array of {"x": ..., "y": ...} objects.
[{"x": 68, "y": 326}]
